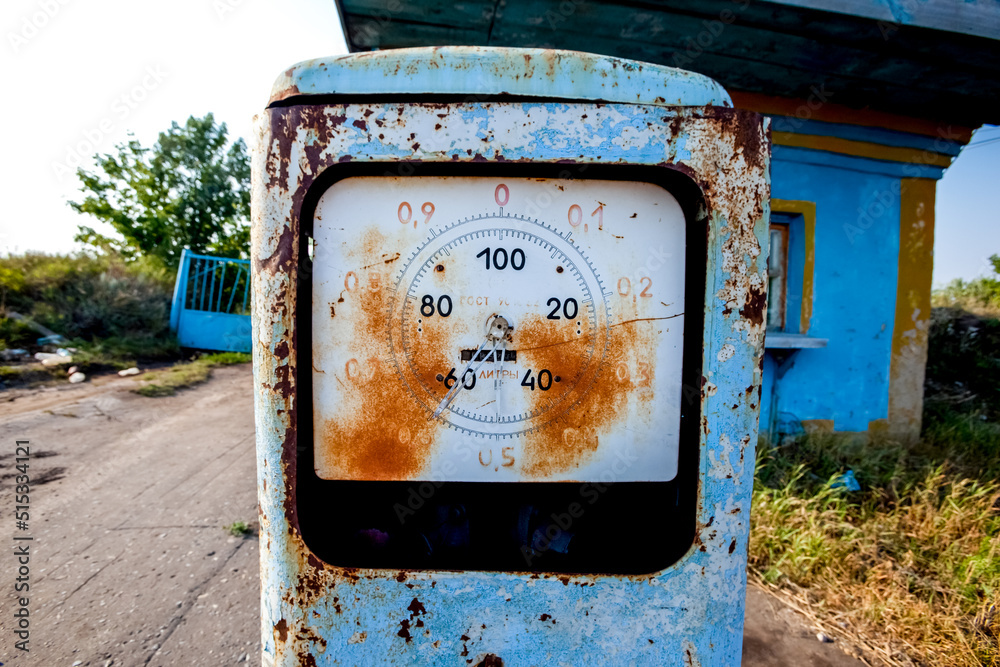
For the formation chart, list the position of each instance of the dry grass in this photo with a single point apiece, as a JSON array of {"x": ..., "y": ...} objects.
[
  {"x": 908, "y": 568},
  {"x": 971, "y": 304}
]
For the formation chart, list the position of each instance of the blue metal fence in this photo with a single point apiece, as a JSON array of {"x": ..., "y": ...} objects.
[{"x": 210, "y": 308}]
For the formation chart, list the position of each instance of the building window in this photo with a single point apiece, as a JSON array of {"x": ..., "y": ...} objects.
[{"x": 777, "y": 277}]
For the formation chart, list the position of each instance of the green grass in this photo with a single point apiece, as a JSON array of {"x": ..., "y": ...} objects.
[
  {"x": 912, "y": 561},
  {"x": 30, "y": 375},
  {"x": 189, "y": 374},
  {"x": 909, "y": 566},
  {"x": 14, "y": 334},
  {"x": 239, "y": 529},
  {"x": 92, "y": 357},
  {"x": 120, "y": 352}
]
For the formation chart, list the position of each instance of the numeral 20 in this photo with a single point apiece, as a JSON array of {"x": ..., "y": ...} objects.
[{"x": 554, "y": 315}]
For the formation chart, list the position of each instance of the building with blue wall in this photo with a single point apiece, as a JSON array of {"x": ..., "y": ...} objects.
[{"x": 870, "y": 102}]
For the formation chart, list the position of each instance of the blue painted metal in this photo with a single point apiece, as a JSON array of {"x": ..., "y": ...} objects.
[
  {"x": 210, "y": 303},
  {"x": 490, "y": 71},
  {"x": 690, "y": 613}
]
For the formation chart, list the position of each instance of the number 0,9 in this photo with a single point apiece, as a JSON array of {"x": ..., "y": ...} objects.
[{"x": 405, "y": 213}]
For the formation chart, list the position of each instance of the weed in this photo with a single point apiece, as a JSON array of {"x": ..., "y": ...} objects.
[
  {"x": 979, "y": 295},
  {"x": 88, "y": 297},
  {"x": 14, "y": 334},
  {"x": 30, "y": 375},
  {"x": 909, "y": 563},
  {"x": 239, "y": 529},
  {"x": 227, "y": 358},
  {"x": 181, "y": 376},
  {"x": 909, "y": 566}
]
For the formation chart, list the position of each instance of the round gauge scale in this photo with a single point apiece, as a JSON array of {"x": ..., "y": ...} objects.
[{"x": 497, "y": 329}]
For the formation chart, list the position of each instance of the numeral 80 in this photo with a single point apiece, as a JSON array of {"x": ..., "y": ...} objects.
[{"x": 427, "y": 305}]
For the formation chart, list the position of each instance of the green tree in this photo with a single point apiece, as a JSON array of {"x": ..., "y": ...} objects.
[{"x": 191, "y": 189}]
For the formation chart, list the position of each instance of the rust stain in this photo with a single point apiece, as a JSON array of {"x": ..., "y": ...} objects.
[
  {"x": 590, "y": 400},
  {"x": 416, "y": 608},
  {"x": 315, "y": 577},
  {"x": 379, "y": 432},
  {"x": 755, "y": 306}
]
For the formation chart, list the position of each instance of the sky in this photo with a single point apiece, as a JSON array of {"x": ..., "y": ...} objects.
[{"x": 83, "y": 73}]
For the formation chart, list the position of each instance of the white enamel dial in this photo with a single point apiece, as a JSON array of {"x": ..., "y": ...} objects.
[{"x": 497, "y": 329}]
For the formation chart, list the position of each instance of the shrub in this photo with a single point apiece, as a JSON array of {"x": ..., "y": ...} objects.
[
  {"x": 963, "y": 364},
  {"x": 88, "y": 297},
  {"x": 115, "y": 313},
  {"x": 980, "y": 295}
]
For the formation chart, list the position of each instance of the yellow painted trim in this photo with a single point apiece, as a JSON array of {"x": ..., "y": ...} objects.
[
  {"x": 861, "y": 149},
  {"x": 807, "y": 210},
  {"x": 838, "y": 113},
  {"x": 913, "y": 305}
]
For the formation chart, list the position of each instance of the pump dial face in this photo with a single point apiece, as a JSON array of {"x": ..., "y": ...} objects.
[{"x": 497, "y": 329}]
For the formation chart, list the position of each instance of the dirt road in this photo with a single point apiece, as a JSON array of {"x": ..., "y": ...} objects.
[{"x": 130, "y": 564}]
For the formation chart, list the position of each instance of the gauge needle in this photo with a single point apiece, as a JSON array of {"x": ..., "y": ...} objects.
[
  {"x": 496, "y": 330},
  {"x": 460, "y": 382},
  {"x": 497, "y": 381}
]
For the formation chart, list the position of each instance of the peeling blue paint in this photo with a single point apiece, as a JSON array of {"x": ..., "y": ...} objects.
[
  {"x": 690, "y": 613},
  {"x": 485, "y": 72}
]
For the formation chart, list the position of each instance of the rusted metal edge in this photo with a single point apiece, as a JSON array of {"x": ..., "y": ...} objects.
[
  {"x": 303, "y": 596},
  {"x": 485, "y": 72}
]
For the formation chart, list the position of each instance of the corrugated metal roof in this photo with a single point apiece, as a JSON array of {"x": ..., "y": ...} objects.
[{"x": 937, "y": 63}]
